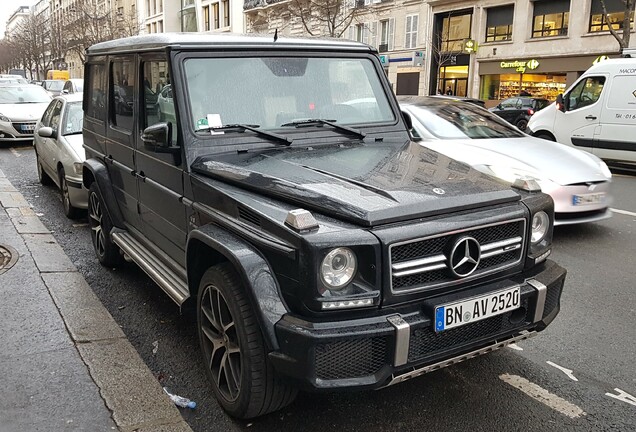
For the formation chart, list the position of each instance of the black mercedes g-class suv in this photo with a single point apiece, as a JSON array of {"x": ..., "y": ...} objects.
[{"x": 274, "y": 186}]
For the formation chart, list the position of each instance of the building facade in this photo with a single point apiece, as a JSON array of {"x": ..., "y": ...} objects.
[
  {"x": 531, "y": 46},
  {"x": 159, "y": 16}
]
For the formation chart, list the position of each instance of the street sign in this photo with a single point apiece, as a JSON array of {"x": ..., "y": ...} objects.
[
  {"x": 384, "y": 59},
  {"x": 418, "y": 58},
  {"x": 470, "y": 46}
]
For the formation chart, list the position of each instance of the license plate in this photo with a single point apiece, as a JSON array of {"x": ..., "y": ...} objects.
[
  {"x": 464, "y": 312},
  {"x": 28, "y": 128},
  {"x": 586, "y": 199}
]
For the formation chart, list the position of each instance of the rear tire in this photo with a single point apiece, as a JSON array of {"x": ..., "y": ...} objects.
[
  {"x": 243, "y": 380},
  {"x": 70, "y": 211},
  {"x": 522, "y": 124},
  {"x": 107, "y": 252}
]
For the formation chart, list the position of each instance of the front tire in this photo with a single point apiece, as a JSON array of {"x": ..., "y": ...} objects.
[
  {"x": 70, "y": 211},
  {"x": 107, "y": 252},
  {"x": 243, "y": 380}
]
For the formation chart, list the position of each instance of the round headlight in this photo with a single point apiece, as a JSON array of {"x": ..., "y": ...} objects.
[
  {"x": 338, "y": 268},
  {"x": 540, "y": 226}
]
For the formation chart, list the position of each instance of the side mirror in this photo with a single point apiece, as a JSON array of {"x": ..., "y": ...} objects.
[
  {"x": 158, "y": 138},
  {"x": 560, "y": 103},
  {"x": 47, "y": 132}
]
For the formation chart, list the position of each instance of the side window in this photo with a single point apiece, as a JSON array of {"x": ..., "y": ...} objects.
[
  {"x": 67, "y": 87},
  {"x": 510, "y": 103},
  {"x": 55, "y": 115},
  {"x": 122, "y": 90},
  {"x": 158, "y": 100},
  {"x": 96, "y": 92},
  {"x": 585, "y": 93},
  {"x": 46, "y": 117}
]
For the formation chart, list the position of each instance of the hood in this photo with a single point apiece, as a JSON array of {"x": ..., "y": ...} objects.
[
  {"x": 549, "y": 160},
  {"x": 366, "y": 184},
  {"x": 76, "y": 142},
  {"x": 24, "y": 112}
]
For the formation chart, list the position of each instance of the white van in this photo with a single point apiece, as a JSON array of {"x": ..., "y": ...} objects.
[{"x": 597, "y": 113}]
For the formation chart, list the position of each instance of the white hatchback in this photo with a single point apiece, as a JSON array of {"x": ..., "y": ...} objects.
[{"x": 21, "y": 106}]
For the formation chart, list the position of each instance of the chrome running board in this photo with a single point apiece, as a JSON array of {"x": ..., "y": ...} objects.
[
  {"x": 460, "y": 358},
  {"x": 168, "y": 280}
]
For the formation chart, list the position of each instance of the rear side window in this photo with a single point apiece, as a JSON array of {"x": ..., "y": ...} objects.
[
  {"x": 95, "y": 98},
  {"x": 122, "y": 78}
]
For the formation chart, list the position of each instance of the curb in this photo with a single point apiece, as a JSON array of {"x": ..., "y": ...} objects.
[{"x": 129, "y": 389}]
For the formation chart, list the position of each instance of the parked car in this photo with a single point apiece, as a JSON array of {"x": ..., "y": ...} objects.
[
  {"x": 518, "y": 110},
  {"x": 577, "y": 181},
  {"x": 59, "y": 152},
  {"x": 165, "y": 104},
  {"x": 597, "y": 113},
  {"x": 54, "y": 87},
  {"x": 321, "y": 249},
  {"x": 21, "y": 105},
  {"x": 73, "y": 85}
]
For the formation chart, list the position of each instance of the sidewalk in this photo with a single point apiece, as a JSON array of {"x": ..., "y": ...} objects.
[{"x": 64, "y": 364}]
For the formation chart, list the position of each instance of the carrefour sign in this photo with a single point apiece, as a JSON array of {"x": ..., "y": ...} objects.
[{"x": 520, "y": 66}]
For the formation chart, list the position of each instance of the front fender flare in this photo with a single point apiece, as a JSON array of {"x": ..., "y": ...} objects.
[
  {"x": 99, "y": 173},
  {"x": 258, "y": 279}
]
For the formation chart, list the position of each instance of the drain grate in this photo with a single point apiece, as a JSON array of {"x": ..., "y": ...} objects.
[{"x": 8, "y": 257}]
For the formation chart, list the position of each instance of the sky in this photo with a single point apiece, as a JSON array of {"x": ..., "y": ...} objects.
[{"x": 7, "y": 8}]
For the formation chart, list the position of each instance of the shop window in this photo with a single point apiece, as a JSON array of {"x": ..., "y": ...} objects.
[
  {"x": 499, "y": 23},
  {"x": 410, "y": 40},
  {"x": 615, "y": 16},
  {"x": 455, "y": 30},
  {"x": 551, "y": 18},
  {"x": 585, "y": 93}
]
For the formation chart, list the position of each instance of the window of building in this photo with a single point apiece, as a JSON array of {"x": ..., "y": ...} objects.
[
  {"x": 384, "y": 36},
  {"x": 226, "y": 12},
  {"x": 360, "y": 30},
  {"x": 96, "y": 91},
  {"x": 160, "y": 26},
  {"x": 410, "y": 38},
  {"x": 122, "y": 77},
  {"x": 455, "y": 30},
  {"x": 206, "y": 18},
  {"x": 551, "y": 18},
  {"x": 615, "y": 15},
  {"x": 215, "y": 15},
  {"x": 499, "y": 23}
]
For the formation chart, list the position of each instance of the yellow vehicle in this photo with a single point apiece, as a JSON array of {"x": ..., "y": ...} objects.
[{"x": 57, "y": 75}]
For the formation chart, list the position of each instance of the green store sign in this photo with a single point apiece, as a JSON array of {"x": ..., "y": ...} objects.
[{"x": 520, "y": 66}]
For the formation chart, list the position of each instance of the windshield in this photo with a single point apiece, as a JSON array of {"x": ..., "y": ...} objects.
[
  {"x": 54, "y": 85},
  {"x": 273, "y": 91},
  {"x": 457, "y": 121},
  {"x": 74, "y": 118},
  {"x": 26, "y": 94}
]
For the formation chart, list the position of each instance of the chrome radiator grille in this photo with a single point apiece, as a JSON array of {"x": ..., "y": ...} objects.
[{"x": 426, "y": 263}]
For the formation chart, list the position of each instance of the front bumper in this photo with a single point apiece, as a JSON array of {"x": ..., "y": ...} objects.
[
  {"x": 14, "y": 132},
  {"x": 374, "y": 352},
  {"x": 566, "y": 212}
]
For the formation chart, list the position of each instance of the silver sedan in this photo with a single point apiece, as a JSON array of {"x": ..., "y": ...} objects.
[
  {"x": 577, "y": 181},
  {"x": 59, "y": 151}
]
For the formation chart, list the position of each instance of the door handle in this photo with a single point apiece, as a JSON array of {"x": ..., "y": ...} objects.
[
  {"x": 109, "y": 159},
  {"x": 141, "y": 176},
  {"x": 590, "y": 117}
]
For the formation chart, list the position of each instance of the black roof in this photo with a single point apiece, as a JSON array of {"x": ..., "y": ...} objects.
[
  {"x": 158, "y": 41},
  {"x": 436, "y": 100}
]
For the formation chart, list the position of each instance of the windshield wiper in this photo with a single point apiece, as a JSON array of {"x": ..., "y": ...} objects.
[
  {"x": 238, "y": 127},
  {"x": 318, "y": 121}
]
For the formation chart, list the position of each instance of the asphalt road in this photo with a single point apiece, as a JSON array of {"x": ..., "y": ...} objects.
[{"x": 509, "y": 390}]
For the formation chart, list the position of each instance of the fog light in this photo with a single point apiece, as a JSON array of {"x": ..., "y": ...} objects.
[{"x": 346, "y": 304}]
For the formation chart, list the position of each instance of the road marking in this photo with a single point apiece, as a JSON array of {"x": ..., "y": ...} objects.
[
  {"x": 15, "y": 152},
  {"x": 515, "y": 347},
  {"x": 568, "y": 372},
  {"x": 623, "y": 396},
  {"x": 625, "y": 212},
  {"x": 542, "y": 395}
]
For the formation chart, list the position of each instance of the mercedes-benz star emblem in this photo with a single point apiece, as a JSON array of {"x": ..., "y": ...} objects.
[{"x": 464, "y": 258}]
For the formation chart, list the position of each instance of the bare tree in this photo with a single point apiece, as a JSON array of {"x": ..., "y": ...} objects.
[
  {"x": 32, "y": 40},
  {"x": 623, "y": 37},
  {"x": 89, "y": 23},
  {"x": 331, "y": 16}
]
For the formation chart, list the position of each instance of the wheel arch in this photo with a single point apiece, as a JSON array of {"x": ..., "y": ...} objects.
[
  {"x": 540, "y": 132},
  {"x": 210, "y": 245},
  {"x": 95, "y": 171}
]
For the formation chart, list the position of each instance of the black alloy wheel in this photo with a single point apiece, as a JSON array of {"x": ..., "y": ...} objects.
[
  {"x": 107, "y": 252},
  {"x": 522, "y": 124},
  {"x": 235, "y": 355}
]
